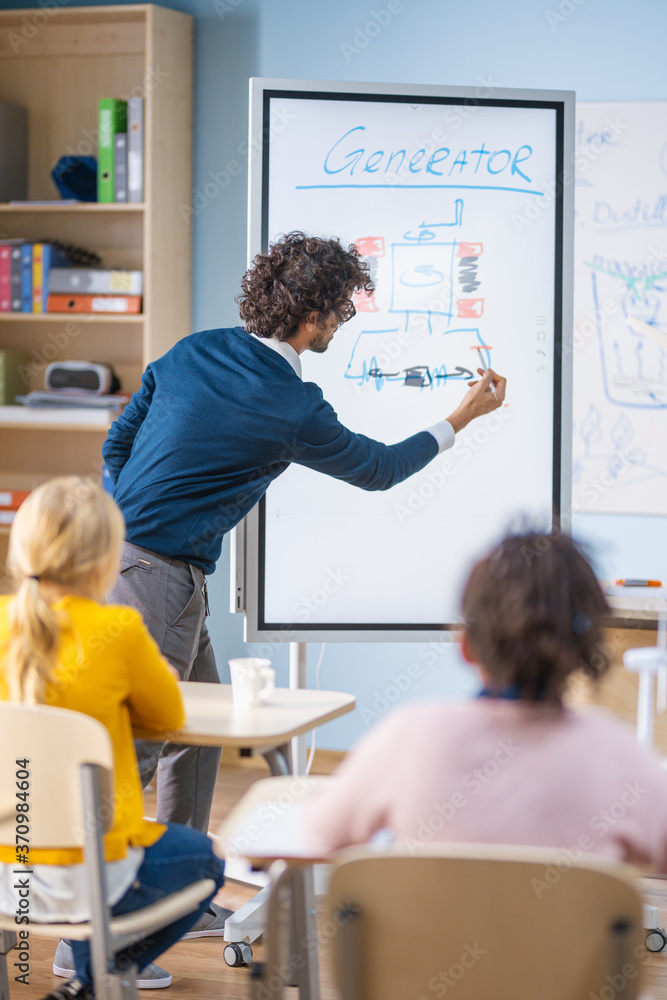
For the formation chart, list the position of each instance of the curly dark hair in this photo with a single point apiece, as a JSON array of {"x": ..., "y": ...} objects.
[
  {"x": 301, "y": 274},
  {"x": 533, "y": 612}
]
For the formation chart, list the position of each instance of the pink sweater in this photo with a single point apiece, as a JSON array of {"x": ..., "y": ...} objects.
[{"x": 493, "y": 771}]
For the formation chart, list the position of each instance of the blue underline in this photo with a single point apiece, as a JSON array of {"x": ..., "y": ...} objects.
[
  {"x": 638, "y": 225},
  {"x": 475, "y": 187}
]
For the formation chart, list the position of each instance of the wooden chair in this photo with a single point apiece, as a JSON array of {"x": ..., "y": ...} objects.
[
  {"x": 477, "y": 921},
  {"x": 70, "y": 763}
]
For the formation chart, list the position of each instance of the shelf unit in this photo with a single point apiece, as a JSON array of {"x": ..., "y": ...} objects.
[
  {"x": 80, "y": 317},
  {"x": 68, "y": 418},
  {"x": 57, "y": 62},
  {"x": 64, "y": 206}
]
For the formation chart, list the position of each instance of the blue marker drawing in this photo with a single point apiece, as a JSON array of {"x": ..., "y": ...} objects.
[
  {"x": 421, "y": 276},
  {"x": 426, "y": 273},
  {"x": 422, "y": 279},
  {"x": 590, "y": 430},
  {"x": 635, "y": 374},
  {"x": 365, "y": 367},
  {"x": 616, "y": 464},
  {"x": 410, "y": 187},
  {"x": 425, "y": 232}
]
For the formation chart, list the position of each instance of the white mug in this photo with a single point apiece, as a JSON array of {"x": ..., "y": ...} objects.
[{"x": 253, "y": 681}]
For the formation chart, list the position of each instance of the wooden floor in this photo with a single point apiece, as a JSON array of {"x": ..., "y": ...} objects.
[{"x": 198, "y": 968}]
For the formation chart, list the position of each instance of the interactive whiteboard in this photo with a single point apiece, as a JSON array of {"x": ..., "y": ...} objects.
[
  {"x": 457, "y": 202},
  {"x": 620, "y": 372}
]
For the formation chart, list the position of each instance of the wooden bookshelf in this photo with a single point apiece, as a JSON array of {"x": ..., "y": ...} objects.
[
  {"x": 36, "y": 208},
  {"x": 64, "y": 317},
  {"x": 71, "y": 58},
  {"x": 59, "y": 419}
]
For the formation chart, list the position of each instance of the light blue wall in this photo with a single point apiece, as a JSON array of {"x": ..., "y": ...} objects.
[{"x": 602, "y": 49}]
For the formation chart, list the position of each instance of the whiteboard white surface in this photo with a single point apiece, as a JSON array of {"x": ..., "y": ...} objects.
[
  {"x": 620, "y": 374},
  {"x": 462, "y": 234}
]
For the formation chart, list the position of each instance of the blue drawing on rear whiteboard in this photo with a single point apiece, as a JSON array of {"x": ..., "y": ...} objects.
[
  {"x": 590, "y": 431},
  {"x": 616, "y": 462},
  {"x": 633, "y": 366},
  {"x": 636, "y": 214}
]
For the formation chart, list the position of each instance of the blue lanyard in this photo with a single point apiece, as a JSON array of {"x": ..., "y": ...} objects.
[{"x": 510, "y": 693}]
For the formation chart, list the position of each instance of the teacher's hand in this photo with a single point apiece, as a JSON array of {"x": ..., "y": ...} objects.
[{"x": 479, "y": 399}]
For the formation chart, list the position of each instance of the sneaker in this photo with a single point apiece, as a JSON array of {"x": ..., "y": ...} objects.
[
  {"x": 71, "y": 990},
  {"x": 153, "y": 977},
  {"x": 210, "y": 924}
]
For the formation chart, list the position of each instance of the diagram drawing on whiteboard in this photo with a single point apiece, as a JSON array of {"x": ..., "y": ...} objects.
[
  {"x": 436, "y": 280},
  {"x": 620, "y": 334}
]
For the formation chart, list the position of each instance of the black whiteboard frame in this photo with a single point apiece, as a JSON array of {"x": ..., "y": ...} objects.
[{"x": 251, "y": 565}]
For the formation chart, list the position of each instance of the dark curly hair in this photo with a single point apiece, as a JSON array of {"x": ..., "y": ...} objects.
[
  {"x": 299, "y": 275},
  {"x": 532, "y": 611}
]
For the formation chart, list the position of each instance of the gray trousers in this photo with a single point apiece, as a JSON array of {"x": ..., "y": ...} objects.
[{"x": 169, "y": 595}]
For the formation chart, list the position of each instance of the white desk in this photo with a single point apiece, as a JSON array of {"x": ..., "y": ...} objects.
[
  {"x": 211, "y": 720},
  {"x": 265, "y": 827}
]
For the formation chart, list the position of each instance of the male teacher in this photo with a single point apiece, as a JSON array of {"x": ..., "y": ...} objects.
[{"x": 216, "y": 419}]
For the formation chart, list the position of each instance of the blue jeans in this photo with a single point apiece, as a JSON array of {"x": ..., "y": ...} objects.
[{"x": 180, "y": 857}]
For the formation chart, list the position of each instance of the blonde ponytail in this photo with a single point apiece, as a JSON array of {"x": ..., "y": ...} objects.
[
  {"x": 34, "y": 638},
  {"x": 63, "y": 534}
]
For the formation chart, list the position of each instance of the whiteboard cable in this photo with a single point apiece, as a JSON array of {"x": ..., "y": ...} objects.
[{"x": 317, "y": 685}]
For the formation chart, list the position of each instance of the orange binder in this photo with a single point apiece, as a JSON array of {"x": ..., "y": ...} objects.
[
  {"x": 12, "y": 499},
  {"x": 94, "y": 303}
]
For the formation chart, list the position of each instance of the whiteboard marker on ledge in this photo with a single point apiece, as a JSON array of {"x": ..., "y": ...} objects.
[{"x": 483, "y": 366}]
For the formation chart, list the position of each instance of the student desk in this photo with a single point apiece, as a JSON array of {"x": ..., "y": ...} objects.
[
  {"x": 265, "y": 827},
  {"x": 211, "y": 720}
]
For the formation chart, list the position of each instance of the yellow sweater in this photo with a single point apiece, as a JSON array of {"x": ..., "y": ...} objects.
[{"x": 110, "y": 668}]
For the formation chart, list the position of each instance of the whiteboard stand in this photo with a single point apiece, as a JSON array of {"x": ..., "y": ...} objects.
[{"x": 298, "y": 680}]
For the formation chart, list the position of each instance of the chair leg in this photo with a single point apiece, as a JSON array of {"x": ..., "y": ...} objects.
[
  {"x": 7, "y": 942},
  {"x": 305, "y": 973},
  {"x": 117, "y": 985}
]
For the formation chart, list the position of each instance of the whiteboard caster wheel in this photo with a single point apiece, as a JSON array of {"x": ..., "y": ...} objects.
[
  {"x": 237, "y": 954},
  {"x": 656, "y": 939}
]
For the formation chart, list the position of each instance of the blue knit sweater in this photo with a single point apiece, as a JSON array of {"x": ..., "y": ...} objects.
[{"x": 216, "y": 419}]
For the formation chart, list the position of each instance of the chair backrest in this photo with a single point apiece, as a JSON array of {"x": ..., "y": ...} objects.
[
  {"x": 50, "y": 744},
  {"x": 483, "y": 921}
]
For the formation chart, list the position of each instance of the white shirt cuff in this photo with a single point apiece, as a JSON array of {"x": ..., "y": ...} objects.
[{"x": 443, "y": 433}]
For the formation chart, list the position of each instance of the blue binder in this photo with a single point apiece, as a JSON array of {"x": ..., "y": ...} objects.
[{"x": 26, "y": 278}]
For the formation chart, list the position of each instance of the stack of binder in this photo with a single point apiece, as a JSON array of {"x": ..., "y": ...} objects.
[
  {"x": 25, "y": 269},
  {"x": 94, "y": 290},
  {"x": 120, "y": 153}
]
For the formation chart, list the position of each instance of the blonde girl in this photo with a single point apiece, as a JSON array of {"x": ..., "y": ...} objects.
[{"x": 61, "y": 645}]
